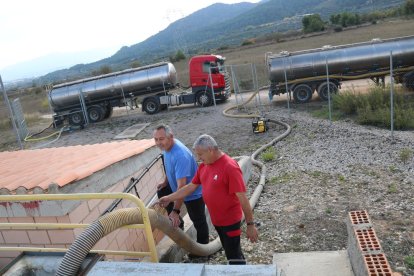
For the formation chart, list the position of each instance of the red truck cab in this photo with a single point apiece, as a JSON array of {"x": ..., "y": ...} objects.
[{"x": 207, "y": 76}]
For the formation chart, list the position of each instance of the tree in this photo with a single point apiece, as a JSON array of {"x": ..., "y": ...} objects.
[
  {"x": 135, "y": 64},
  {"x": 105, "y": 69},
  {"x": 312, "y": 23},
  {"x": 179, "y": 55},
  {"x": 409, "y": 7},
  {"x": 335, "y": 19}
]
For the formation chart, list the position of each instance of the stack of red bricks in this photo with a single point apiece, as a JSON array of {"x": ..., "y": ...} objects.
[{"x": 364, "y": 249}]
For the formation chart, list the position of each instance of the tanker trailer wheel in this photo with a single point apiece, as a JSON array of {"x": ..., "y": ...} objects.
[
  {"x": 323, "y": 90},
  {"x": 95, "y": 114},
  {"x": 76, "y": 118},
  {"x": 302, "y": 93},
  {"x": 151, "y": 105},
  {"x": 204, "y": 98},
  {"x": 408, "y": 80}
]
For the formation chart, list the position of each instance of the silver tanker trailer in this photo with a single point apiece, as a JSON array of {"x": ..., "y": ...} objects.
[
  {"x": 305, "y": 71},
  {"x": 95, "y": 97},
  {"x": 100, "y": 94}
]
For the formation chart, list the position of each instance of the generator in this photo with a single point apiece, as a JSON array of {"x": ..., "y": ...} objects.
[{"x": 259, "y": 125}]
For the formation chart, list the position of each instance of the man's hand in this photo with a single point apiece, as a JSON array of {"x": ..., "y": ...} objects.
[
  {"x": 161, "y": 185},
  {"x": 164, "y": 201},
  {"x": 252, "y": 233},
  {"x": 175, "y": 219}
]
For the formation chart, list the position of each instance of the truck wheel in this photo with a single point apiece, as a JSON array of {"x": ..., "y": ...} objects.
[
  {"x": 204, "y": 98},
  {"x": 323, "y": 90},
  {"x": 302, "y": 93},
  {"x": 408, "y": 80},
  {"x": 95, "y": 114},
  {"x": 151, "y": 106},
  {"x": 76, "y": 118}
]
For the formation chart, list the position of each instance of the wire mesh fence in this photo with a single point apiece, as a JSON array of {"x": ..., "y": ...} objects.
[{"x": 245, "y": 80}]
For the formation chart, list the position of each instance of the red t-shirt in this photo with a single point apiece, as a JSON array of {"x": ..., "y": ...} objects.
[{"x": 221, "y": 181}]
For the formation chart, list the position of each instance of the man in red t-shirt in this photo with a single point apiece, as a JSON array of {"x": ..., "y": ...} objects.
[{"x": 224, "y": 193}]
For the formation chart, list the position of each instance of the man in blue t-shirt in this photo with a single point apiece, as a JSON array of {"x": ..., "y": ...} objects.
[{"x": 180, "y": 167}]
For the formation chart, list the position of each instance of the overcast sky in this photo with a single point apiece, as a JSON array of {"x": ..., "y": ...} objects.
[{"x": 31, "y": 29}]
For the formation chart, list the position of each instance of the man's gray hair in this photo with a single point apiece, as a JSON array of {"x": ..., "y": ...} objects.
[
  {"x": 205, "y": 141},
  {"x": 166, "y": 128}
]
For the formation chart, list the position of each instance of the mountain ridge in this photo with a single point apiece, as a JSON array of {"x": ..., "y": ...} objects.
[{"x": 231, "y": 24}]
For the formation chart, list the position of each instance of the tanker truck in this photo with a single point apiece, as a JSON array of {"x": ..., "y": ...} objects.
[
  {"x": 304, "y": 72},
  {"x": 155, "y": 87}
]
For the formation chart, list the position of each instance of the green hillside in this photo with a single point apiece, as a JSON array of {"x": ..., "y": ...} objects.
[{"x": 220, "y": 25}]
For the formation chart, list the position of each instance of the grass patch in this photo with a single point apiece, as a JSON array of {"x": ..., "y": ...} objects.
[
  {"x": 393, "y": 169},
  {"x": 32, "y": 118},
  {"x": 409, "y": 262},
  {"x": 406, "y": 154},
  {"x": 373, "y": 108},
  {"x": 392, "y": 188},
  {"x": 269, "y": 154},
  {"x": 283, "y": 178},
  {"x": 324, "y": 113},
  {"x": 5, "y": 124},
  {"x": 316, "y": 173}
]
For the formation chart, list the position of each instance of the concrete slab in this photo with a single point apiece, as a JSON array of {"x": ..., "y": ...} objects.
[
  {"x": 170, "y": 269},
  {"x": 132, "y": 131},
  {"x": 145, "y": 269},
  {"x": 240, "y": 270},
  {"x": 318, "y": 263}
]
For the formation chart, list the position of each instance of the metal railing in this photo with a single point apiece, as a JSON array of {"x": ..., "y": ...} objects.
[
  {"x": 35, "y": 226},
  {"x": 132, "y": 185}
]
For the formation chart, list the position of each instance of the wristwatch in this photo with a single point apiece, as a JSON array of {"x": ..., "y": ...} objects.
[
  {"x": 177, "y": 211},
  {"x": 250, "y": 223}
]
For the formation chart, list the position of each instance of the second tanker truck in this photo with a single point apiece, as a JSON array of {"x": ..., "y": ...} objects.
[
  {"x": 304, "y": 72},
  {"x": 151, "y": 86}
]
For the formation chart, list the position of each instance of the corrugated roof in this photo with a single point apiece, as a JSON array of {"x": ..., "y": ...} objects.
[{"x": 40, "y": 168}]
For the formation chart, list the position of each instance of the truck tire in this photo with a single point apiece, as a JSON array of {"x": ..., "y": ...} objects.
[
  {"x": 95, "y": 114},
  {"x": 323, "y": 90},
  {"x": 408, "y": 80},
  {"x": 76, "y": 118},
  {"x": 151, "y": 105},
  {"x": 204, "y": 98},
  {"x": 302, "y": 93}
]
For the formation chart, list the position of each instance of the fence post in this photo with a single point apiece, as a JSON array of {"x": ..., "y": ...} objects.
[
  {"x": 6, "y": 100},
  {"x": 392, "y": 97},
  {"x": 329, "y": 89},
  {"x": 286, "y": 86}
]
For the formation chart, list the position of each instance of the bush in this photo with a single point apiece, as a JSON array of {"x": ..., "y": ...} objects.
[
  {"x": 374, "y": 108},
  {"x": 405, "y": 155},
  {"x": 135, "y": 64},
  {"x": 313, "y": 23},
  {"x": 409, "y": 262},
  {"x": 221, "y": 48},
  {"x": 269, "y": 154},
  {"x": 179, "y": 55},
  {"x": 247, "y": 42},
  {"x": 102, "y": 71}
]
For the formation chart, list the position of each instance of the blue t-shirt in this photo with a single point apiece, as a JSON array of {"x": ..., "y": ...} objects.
[{"x": 179, "y": 162}]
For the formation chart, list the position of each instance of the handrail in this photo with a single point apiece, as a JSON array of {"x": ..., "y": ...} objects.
[
  {"x": 84, "y": 196},
  {"x": 133, "y": 183}
]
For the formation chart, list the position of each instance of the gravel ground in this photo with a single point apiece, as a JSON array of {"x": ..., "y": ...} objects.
[{"x": 321, "y": 171}]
